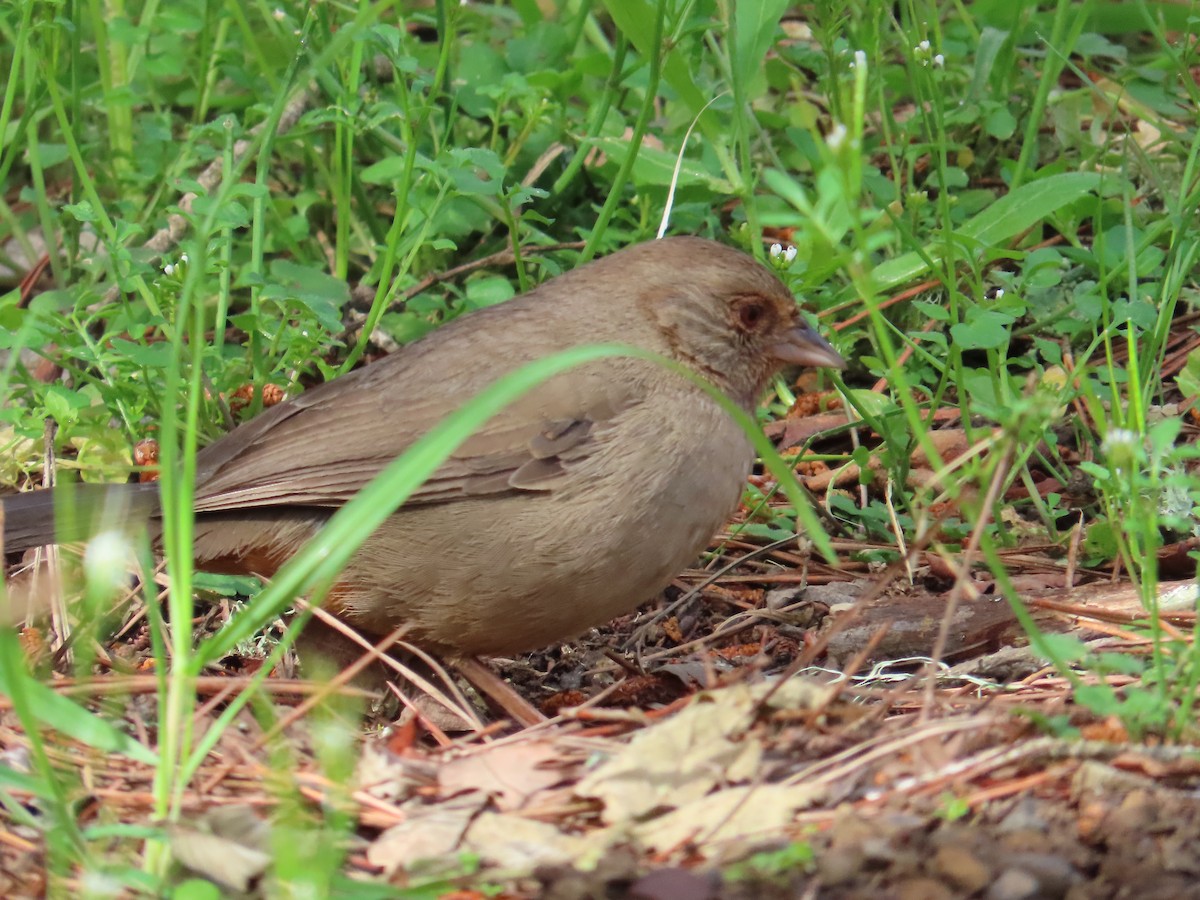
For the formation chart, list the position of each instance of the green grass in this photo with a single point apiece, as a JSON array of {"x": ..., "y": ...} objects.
[{"x": 1035, "y": 168}]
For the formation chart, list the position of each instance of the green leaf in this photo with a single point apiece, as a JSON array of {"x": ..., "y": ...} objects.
[
  {"x": 1000, "y": 123},
  {"x": 635, "y": 19},
  {"x": 756, "y": 25},
  {"x": 81, "y": 211},
  {"x": 1065, "y": 648},
  {"x": 1008, "y": 217},
  {"x": 63, "y": 403},
  {"x": 1099, "y": 540},
  {"x": 991, "y": 41},
  {"x": 152, "y": 356},
  {"x": 385, "y": 171},
  {"x": 1188, "y": 378},
  {"x": 1028, "y": 205},
  {"x": 11, "y": 779},
  {"x": 1119, "y": 663},
  {"x": 1099, "y": 698},
  {"x": 657, "y": 167},
  {"x": 319, "y": 291},
  {"x": 223, "y": 211},
  {"x": 480, "y": 171},
  {"x": 983, "y": 330},
  {"x": 52, "y": 154},
  {"x": 488, "y": 291},
  {"x": 931, "y": 310}
]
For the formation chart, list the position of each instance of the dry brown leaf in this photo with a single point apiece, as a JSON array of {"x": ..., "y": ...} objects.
[
  {"x": 680, "y": 759},
  {"x": 517, "y": 844},
  {"x": 735, "y": 818},
  {"x": 509, "y": 773},
  {"x": 428, "y": 839},
  {"x": 229, "y": 845},
  {"x": 390, "y": 776},
  {"x": 676, "y": 761}
]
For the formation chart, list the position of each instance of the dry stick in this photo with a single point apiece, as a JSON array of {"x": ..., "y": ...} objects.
[
  {"x": 60, "y": 623},
  {"x": 462, "y": 709},
  {"x": 1073, "y": 552},
  {"x": 894, "y": 520},
  {"x": 690, "y": 594},
  {"x": 124, "y": 685},
  {"x": 815, "y": 649},
  {"x": 1043, "y": 747},
  {"x": 489, "y": 683},
  {"x": 914, "y": 291},
  {"x": 851, "y": 669},
  {"x": 852, "y": 759},
  {"x": 29, "y": 280},
  {"x": 960, "y": 581}
]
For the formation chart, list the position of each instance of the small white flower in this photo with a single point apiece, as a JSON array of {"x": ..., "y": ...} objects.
[
  {"x": 923, "y": 47},
  {"x": 939, "y": 60},
  {"x": 837, "y": 136},
  {"x": 183, "y": 258},
  {"x": 776, "y": 249},
  {"x": 169, "y": 269},
  {"x": 279, "y": 14},
  {"x": 1119, "y": 438},
  {"x": 999, "y": 293},
  {"x": 860, "y": 57},
  {"x": 789, "y": 254}
]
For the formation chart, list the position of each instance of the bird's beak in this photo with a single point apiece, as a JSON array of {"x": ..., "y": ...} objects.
[{"x": 802, "y": 346}]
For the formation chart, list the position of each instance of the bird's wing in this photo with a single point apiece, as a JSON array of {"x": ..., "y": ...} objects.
[{"x": 323, "y": 447}]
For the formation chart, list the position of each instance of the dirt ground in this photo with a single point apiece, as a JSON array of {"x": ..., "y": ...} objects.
[{"x": 768, "y": 728}]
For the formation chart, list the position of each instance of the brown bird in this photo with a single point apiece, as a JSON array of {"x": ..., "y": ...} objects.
[{"x": 569, "y": 507}]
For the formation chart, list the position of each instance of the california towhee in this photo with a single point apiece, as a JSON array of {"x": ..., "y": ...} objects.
[{"x": 571, "y": 506}]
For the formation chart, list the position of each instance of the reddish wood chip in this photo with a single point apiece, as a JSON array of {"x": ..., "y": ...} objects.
[{"x": 556, "y": 703}]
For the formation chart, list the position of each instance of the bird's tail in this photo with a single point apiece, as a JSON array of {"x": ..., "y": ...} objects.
[{"x": 73, "y": 512}]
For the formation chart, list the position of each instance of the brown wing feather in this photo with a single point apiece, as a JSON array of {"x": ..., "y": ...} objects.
[{"x": 322, "y": 448}]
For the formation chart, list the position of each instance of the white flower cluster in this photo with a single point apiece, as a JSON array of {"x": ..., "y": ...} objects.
[
  {"x": 171, "y": 268},
  {"x": 1120, "y": 439},
  {"x": 922, "y": 52}
]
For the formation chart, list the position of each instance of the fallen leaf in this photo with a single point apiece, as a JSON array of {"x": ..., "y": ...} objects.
[
  {"x": 680, "y": 759},
  {"x": 510, "y": 773},
  {"x": 229, "y": 845},
  {"x": 428, "y": 839},
  {"x": 738, "y": 817},
  {"x": 517, "y": 844}
]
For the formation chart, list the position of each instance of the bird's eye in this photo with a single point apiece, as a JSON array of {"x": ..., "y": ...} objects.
[{"x": 751, "y": 313}]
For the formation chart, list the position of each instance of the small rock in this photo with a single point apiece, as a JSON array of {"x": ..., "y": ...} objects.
[
  {"x": 961, "y": 867},
  {"x": 1023, "y": 840},
  {"x": 1137, "y": 814},
  {"x": 1055, "y": 874},
  {"x": 840, "y": 865},
  {"x": 923, "y": 889},
  {"x": 834, "y": 592},
  {"x": 1026, "y": 815},
  {"x": 1013, "y": 884},
  {"x": 674, "y": 884}
]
